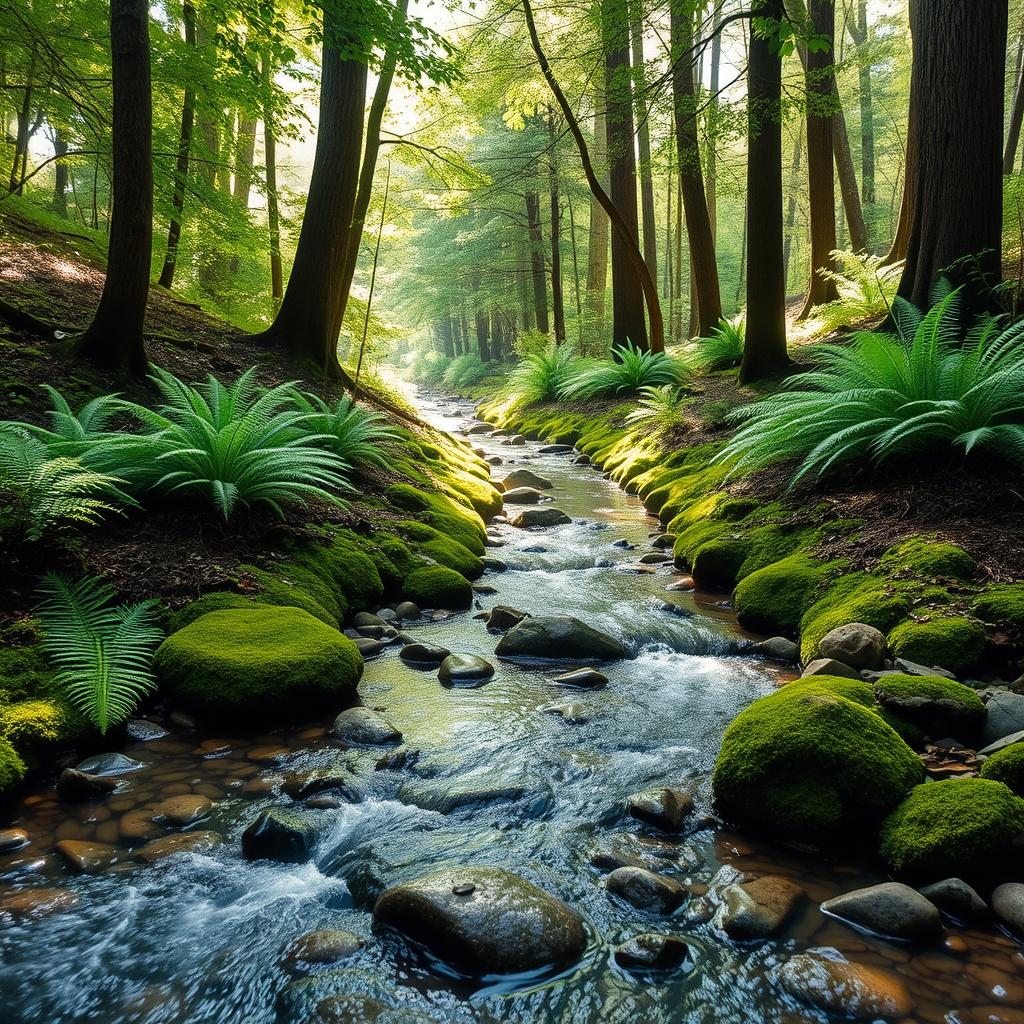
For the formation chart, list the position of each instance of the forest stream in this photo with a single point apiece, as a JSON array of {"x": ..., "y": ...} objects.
[{"x": 200, "y": 937}]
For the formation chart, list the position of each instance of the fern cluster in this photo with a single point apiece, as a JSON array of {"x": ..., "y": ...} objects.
[
  {"x": 722, "y": 349},
  {"x": 465, "y": 370},
  {"x": 660, "y": 408},
  {"x": 541, "y": 376},
  {"x": 866, "y": 288},
  {"x": 927, "y": 388},
  {"x": 630, "y": 370}
]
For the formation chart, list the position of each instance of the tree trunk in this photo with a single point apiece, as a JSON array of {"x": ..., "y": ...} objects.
[
  {"x": 703, "y": 268},
  {"x": 309, "y": 319},
  {"x": 764, "y": 349},
  {"x": 712, "y": 124},
  {"x": 540, "y": 289},
  {"x": 188, "y": 112},
  {"x": 273, "y": 211},
  {"x": 60, "y": 184},
  {"x": 628, "y": 323},
  {"x": 245, "y": 152},
  {"x": 114, "y": 338},
  {"x": 861, "y": 35},
  {"x": 820, "y": 82},
  {"x": 643, "y": 140},
  {"x": 597, "y": 250},
  {"x": 557, "y": 299},
  {"x": 1016, "y": 110},
  {"x": 787, "y": 245},
  {"x": 21, "y": 138},
  {"x": 847, "y": 176},
  {"x": 956, "y": 86}
]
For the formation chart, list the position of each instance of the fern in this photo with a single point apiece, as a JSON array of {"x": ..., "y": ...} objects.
[
  {"x": 48, "y": 491},
  {"x": 660, "y": 408},
  {"x": 722, "y": 349},
  {"x": 103, "y": 654},
  {"x": 631, "y": 370},
  {"x": 927, "y": 388},
  {"x": 242, "y": 444},
  {"x": 466, "y": 370},
  {"x": 541, "y": 376},
  {"x": 866, "y": 288},
  {"x": 351, "y": 432}
]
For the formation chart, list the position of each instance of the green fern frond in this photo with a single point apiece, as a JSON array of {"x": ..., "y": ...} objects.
[{"x": 631, "y": 369}]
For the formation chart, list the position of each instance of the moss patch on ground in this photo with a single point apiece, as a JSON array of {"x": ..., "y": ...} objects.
[
  {"x": 952, "y": 642},
  {"x": 1007, "y": 766}
]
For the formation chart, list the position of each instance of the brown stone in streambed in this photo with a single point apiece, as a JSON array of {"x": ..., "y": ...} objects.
[
  {"x": 320, "y": 948},
  {"x": 522, "y": 496},
  {"x": 646, "y": 890},
  {"x": 663, "y": 807},
  {"x": 182, "y": 842},
  {"x": 583, "y": 677},
  {"x": 12, "y": 839},
  {"x": 87, "y": 858},
  {"x": 683, "y": 583},
  {"x": 655, "y": 558},
  {"x": 179, "y": 811},
  {"x": 76, "y": 785},
  {"x": 137, "y": 826},
  {"x": 262, "y": 785},
  {"x": 847, "y": 989},
  {"x": 32, "y": 904},
  {"x": 526, "y": 478},
  {"x": 758, "y": 909},
  {"x": 268, "y": 754}
]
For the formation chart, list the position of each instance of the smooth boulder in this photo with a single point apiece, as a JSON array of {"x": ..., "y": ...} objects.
[
  {"x": 282, "y": 834},
  {"x": 652, "y": 951},
  {"x": 484, "y": 920},
  {"x": 838, "y": 987},
  {"x": 758, "y": 909},
  {"x": 1005, "y": 715},
  {"x": 891, "y": 909},
  {"x": 559, "y": 637},
  {"x": 423, "y": 654},
  {"x": 532, "y": 517},
  {"x": 522, "y": 496},
  {"x": 955, "y": 897},
  {"x": 501, "y": 618},
  {"x": 855, "y": 644},
  {"x": 646, "y": 890},
  {"x": 464, "y": 670},
  {"x": 364, "y": 727},
  {"x": 663, "y": 808},
  {"x": 1008, "y": 906},
  {"x": 526, "y": 478}
]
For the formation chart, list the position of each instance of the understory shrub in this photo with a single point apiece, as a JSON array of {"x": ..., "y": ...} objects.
[
  {"x": 928, "y": 388},
  {"x": 866, "y": 287},
  {"x": 540, "y": 376},
  {"x": 722, "y": 349},
  {"x": 626, "y": 373},
  {"x": 351, "y": 432},
  {"x": 465, "y": 370},
  {"x": 660, "y": 408}
]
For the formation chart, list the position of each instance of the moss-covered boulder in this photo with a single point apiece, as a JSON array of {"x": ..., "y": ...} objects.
[
  {"x": 1006, "y": 766},
  {"x": 813, "y": 761},
  {"x": 966, "y": 828},
  {"x": 926, "y": 558},
  {"x": 936, "y": 705},
  {"x": 258, "y": 662},
  {"x": 215, "y": 601},
  {"x": 442, "y": 550},
  {"x": 434, "y": 586},
  {"x": 716, "y": 564},
  {"x": 12, "y": 768},
  {"x": 1003, "y": 603},
  {"x": 952, "y": 642},
  {"x": 773, "y": 599},
  {"x": 443, "y": 513}
]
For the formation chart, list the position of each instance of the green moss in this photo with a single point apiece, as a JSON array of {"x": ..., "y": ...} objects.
[
  {"x": 963, "y": 701},
  {"x": 434, "y": 586},
  {"x": 344, "y": 565},
  {"x": 1003, "y": 603},
  {"x": 215, "y": 601},
  {"x": 954, "y": 642},
  {"x": 1006, "y": 766},
  {"x": 773, "y": 599},
  {"x": 925, "y": 558},
  {"x": 12, "y": 768},
  {"x": 717, "y": 563},
  {"x": 443, "y": 550},
  {"x": 297, "y": 586},
  {"x": 857, "y": 690},
  {"x": 857, "y": 597},
  {"x": 441, "y": 512},
  {"x": 258, "y": 662},
  {"x": 393, "y": 559},
  {"x": 961, "y": 827},
  {"x": 808, "y": 762},
  {"x": 34, "y": 727},
  {"x": 24, "y": 673}
]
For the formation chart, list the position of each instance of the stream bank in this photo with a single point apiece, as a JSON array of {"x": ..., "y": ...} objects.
[{"x": 488, "y": 777}]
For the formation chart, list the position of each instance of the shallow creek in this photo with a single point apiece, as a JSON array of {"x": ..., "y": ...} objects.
[{"x": 198, "y": 937}]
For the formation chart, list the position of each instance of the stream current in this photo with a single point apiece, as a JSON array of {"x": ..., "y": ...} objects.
[{"x": 198, "y": 938}]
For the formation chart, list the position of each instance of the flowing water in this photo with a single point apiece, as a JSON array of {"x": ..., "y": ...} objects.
[{"x": 198, "y": 938}]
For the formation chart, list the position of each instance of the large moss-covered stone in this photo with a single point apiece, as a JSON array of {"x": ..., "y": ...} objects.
[
  {"x": 484, "y": 920},
  {"x": 812, "y": 761},
  {"x": 560, "y": 637},
  {"x": 939, "y": 706},
  {"x": 954, "y": 642},
  {"x": 434, "y": 586},
  {"x": 258, "y": 662}
]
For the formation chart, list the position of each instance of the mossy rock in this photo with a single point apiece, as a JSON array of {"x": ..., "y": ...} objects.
[
  {"x": 959, "y": 827},
  {"x": 954, "y": 642},
  {"x": 394, "y": 560},
  {"x": 434, "y": 586},
  {"x": 1006, "y": 766},
  {"x": 215, "y": 601},
  {"x": 932, "y": 703},
  {"x": 772, "y": 600},
  {"x": 12, "y": 768},
  {"x": 808, "y": 762},
  {"x": 717, "y": 563},
  {"x": 24, "y": 673},
  {"x": 1003, "y": 604},
  {"x": 297, "y": 586},
  {"x": 443, "y": 550},
  {"x": 441, "y": 512},
  {"x": 923, "y": 558},
  {"x": 342, "y": 562},
  {"x": 259, "y": 662},
  {"x": 36, "y": 727}
]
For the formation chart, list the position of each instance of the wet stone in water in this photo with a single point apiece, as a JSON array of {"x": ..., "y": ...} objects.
[
  {"x": 646, "y": 890},
  {"x": 652, "y": 951},
  {"x": 320, "y": 949},
  {"x": 663, "y": 808}
]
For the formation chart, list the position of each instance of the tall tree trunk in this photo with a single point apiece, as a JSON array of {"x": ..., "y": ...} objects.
[
  {"x": 60, "y": 182},
  {"x": 787, "y": 245},
  {"x": 712, "y": 123},
  {"x": 860, "y": 32},
  {"x": 597, "y": 249},
  {"x": 956, "y": 87},
  {"x": 273, "y": 209},
  {"x": 676, "y": 320},
  {"x": 820, "y": 79},
  {"x": 643, "y": 140},
  {"x": 114, "y": 338},
  {"x": 540, "y": 288},
  {"x": 557, "y": 299},
  {"x": 764, "y": 349},
  {"x": 628, "y": 323},
  {"x": 703, "y": 268},
  {"x": 481, "y": 323},
  {"x": 1016, "y": 110},
  {"x": 309, "y": 319},
  {"x": 21, "y": 138},
  {"x": 245, "y": 152},
  {"x": 188, "y": 112}
]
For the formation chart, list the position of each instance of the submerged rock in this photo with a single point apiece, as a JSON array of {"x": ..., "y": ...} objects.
[
  {"x": 492, "y": 564},
  {"x": 141, "y": 730},
  {"x": 529, "y": 518},
  {"x": 76, "y": 785},
  {"x": 583, "y": 678},
  {"x": 453, "y": 796},
  {"x": 662, "y": 807},
  {"x": 13, "y": 839},
  {"x": 655, "y": 558},
  {"x": 484, "y": 920},
  {"x": 183, "y": 842},
  {"x": 851, "y": 990},
  {"x": 464, "y": 669},
  {"x": 87, "y": 858},
  {"x": 179, "y": 811},
  {"x": 282, "y": 834},
  {"x": 758, "y": 909},
  {"x": 891, "y": 909},
  {"x": 423, "y": 654},
  {"x": 364, "y": 727},
  {"x": 109, "y": 764},
  {"x": 33, "y": 904},
  {"x": 652, "y": 951},
  {"x": 574, "y": 714},
  {"x": 780, "y": 648},
  {"x": 955, "y": 897},
  {"x": 558, "y": 637},
  {"x": 555, "y": 449},
  {"x": 320, "y": 949},
  {"x": 522, "y": 496},
  {"x": 646, "y": 890},
  {"x": 501, "y": 617}
]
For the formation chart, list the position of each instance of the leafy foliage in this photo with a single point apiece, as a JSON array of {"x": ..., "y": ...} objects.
[
  {"x": 240, "y": 444},
  {"x": 49, "y": 491},
  {"x": 351, "y": 432},
  {"x": 542, "y": 376},
  {"x": 465, "y": 370},
  {"x": 866, "y": 288},
  {"x": 721, "y": 349},
  {"x": 631, "y": 370},
  {"x": 102, "y": 654},
  {"x": 660, "y": 408},
  {"x": 927, "y": 388}
]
